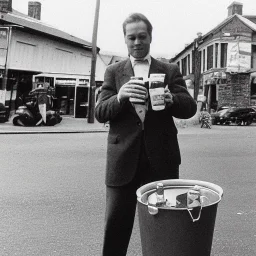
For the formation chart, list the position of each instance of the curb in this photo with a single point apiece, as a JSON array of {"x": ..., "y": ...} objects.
[{"x": 51, "y": 132}]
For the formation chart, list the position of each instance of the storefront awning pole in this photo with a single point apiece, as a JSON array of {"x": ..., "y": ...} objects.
[{"x": 93, "y": 65}]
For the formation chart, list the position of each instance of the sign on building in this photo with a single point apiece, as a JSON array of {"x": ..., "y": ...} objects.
[{"x": 238, "y": 57}]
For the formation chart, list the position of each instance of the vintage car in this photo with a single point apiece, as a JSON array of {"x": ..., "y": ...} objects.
[
  {"x": 216, "y": 115},
  {"x": 233, "y": 115}
]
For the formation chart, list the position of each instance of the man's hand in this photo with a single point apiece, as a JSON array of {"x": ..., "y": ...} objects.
[
  {"x": 133, "y": 89},
  {"x": 168, "y": 97}
]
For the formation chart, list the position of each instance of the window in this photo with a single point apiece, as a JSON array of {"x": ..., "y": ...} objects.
[
  {"x": 209, "y": 57},
  {"x": 254, "y": 56},
  {"x": 189, "y": 64},
  {"x": 223, "y": 56},
  {"x": 203, "y": 60},
  {"x": 216, "y": 54},
  {"x": 184, "y": 66},
  {"x": 253, "y": 88}
]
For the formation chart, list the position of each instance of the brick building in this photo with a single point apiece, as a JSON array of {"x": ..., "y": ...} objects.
[{"x": 220, "y": 66}]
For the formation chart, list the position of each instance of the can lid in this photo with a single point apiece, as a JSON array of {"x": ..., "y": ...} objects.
[{"x": 136, "y": 78}]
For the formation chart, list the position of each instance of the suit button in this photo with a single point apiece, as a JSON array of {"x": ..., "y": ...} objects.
[{"x": 138, "y": 123}]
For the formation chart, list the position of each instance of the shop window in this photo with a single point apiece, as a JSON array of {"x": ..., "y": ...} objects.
[{"x": 253, "y": 88}]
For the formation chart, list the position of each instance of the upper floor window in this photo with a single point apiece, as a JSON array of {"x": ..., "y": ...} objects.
[
  {"x": 223, "y": 55},
  {"x": 203, "y": 60},
  {"x": 254, "y": 56},
  {"x": 184, "y": 66},
  {"x": 216, "y": 54},
  {"x": 209, "y": 57},
  {"x": 189, "y": 68}
]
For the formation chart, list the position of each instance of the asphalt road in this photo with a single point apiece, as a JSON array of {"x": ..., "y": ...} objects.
[{"x": 52, "y": 190}]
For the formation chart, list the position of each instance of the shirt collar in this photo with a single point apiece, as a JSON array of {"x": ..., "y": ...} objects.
[{"x": 147, "y": 57}]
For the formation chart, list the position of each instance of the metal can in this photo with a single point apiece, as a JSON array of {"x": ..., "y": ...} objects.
[
  {"x": 160, "y": 200},
  {"x": 135, "y": 100},
  {"x": 136, "y": 78}
]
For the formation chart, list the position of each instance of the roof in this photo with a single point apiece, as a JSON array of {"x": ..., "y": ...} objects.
[
  {"x": 109, "y": 58},
  {"x": 17, "y": 18},
  {"x": 242, "y": 18},
  {"x": 247, "y": 22},
  {"x": 235, "y": 3}
]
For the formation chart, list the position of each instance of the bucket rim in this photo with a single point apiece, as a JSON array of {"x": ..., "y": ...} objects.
[{"x": 151, "y": 187}]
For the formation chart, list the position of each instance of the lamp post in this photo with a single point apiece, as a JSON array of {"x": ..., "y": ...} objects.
[{"x": 93, "y": 65}]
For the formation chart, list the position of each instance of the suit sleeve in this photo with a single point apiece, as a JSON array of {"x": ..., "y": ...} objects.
[
  {"x": 107, "y": 106},
  {"x": 184, "y": 106}
]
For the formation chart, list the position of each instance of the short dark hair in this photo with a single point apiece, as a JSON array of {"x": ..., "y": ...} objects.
[{"x": 136, "y": 17}]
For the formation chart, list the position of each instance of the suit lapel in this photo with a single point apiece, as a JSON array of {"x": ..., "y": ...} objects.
[
  {"x": 155, "y": 67},
  {"x": 126, "y": 72}
]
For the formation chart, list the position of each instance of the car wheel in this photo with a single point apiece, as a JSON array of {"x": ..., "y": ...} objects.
[{"x": 247, "y": 122}]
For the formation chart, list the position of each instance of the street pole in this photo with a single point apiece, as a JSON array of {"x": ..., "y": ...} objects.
[{"x": 93, "y": 65}]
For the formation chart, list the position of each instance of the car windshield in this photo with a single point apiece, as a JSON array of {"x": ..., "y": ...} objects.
[{"x": 223, "y": 111}]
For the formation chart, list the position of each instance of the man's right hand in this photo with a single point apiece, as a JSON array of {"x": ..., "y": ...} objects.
[{"x": 133, "y": 89}]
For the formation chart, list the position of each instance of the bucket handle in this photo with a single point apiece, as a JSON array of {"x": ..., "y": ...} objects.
[
  {"x": 152, "y": 209},
  {"x": 200, "y": 209}
]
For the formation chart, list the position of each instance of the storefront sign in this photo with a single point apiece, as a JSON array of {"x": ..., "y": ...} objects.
[
  {"x": 201, "y": 98},
  {"x": 238, "y": 57},
  {"x": 65, "y": 81},
  {"x": 2, "y": 96}
]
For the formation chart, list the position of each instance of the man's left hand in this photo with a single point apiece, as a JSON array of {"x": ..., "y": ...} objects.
[{"x": 168, "y": 97}]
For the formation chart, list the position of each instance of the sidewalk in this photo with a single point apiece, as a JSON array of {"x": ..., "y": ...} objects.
[
  {"x": 67, "y": 125},
  {"x": 81, "y": 125}
]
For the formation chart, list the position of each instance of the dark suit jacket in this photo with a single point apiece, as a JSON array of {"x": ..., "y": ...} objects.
[{"x": 124, "y": 138}]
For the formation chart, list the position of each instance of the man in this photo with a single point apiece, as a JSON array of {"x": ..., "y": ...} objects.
[{"x": 142, "y": 143}]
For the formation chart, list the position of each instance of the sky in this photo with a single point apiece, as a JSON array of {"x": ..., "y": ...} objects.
[{"x": 175, "y": 23}]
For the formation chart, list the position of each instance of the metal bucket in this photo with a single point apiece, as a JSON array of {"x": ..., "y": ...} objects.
[{"x": 178, "y": 228}]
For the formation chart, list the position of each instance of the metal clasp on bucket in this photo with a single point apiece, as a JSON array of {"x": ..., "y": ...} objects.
[
  {"x": 160, "y": 199},
  {"x": 192, "y": 201},
  {"x": 195, "y": 202}
]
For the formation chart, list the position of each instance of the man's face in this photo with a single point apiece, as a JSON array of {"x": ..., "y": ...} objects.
[{"x": 137, "y": 39}]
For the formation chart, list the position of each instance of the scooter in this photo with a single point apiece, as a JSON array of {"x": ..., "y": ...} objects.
[
  {"x": 28, "y": 114},
  {"x": 205, "y": 119},
  {"x": 206, "y": 122}
]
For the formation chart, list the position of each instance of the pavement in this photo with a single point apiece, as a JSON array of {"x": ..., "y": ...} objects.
[{"x": 67, "y": 125}]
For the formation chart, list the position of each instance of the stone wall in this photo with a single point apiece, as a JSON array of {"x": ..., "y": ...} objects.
[{"x": 236, "y": 91}]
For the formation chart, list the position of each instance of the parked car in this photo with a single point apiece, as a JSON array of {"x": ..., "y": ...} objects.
[
  {"x": 216, "y": 115},
  {"x": 3, "y": 114},
  {"x": 239, "y": 116}
]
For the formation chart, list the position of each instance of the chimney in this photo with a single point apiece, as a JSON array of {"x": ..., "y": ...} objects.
[
  {"x": 34, "y": 10},
  {"x": 235, "y": 7},
  {"x": 6, "y": 5}
]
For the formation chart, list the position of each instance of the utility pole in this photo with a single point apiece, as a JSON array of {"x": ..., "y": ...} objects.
[{"x": 93, "y": 65}]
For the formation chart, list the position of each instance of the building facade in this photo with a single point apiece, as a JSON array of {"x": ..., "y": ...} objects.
[
  {"x": 219, "y": 67},
  {"x": 29, "y": 47}
]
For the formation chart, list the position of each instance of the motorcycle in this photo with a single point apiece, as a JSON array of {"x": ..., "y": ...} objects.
[{"x": 36, "y": 110}]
